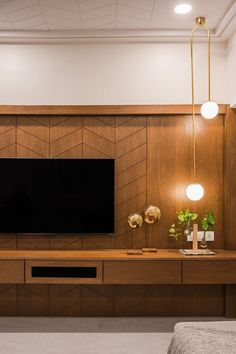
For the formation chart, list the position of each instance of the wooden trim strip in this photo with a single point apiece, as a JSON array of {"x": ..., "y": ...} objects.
[{"x": 101, "y": 109}]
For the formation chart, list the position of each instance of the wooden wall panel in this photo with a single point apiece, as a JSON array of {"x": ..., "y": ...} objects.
[
  {"x": 65, "y": 300},
  {"x": 33, "y": 300},
  {"x": 153, "y": 165},
  {"x": 230, "y": 179},
  {"x": 7, "y": 300},
  {"x": 169, "y": 170},
  {"x": 66, "y": 137},
  {"x": 185, "y": 300},
  {"x": 98, "y": 141},
  {"x": 130, "y": 300},
  {"x": 97, "y": 300},
  {"x": 8, "y": 136},
  {"x": 131, "y": 140}
]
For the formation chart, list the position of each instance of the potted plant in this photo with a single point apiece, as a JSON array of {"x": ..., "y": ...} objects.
[
  {"x": 207, "y": 224},
  {"x": 184, "y": 218}
]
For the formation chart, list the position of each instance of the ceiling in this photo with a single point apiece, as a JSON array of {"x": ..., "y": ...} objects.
[{"x": 109, "y": 18}]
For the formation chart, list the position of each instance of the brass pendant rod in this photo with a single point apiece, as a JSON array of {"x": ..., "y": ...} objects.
[
  {"x": 134, "y": 239},
  {"x": 200, "y": 25}
]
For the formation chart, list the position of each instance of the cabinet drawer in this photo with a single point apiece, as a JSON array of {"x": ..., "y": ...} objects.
[
  {"x": 146, "y": 272},
  {"x": 209, "y": 272},
  {"x": 63, "y": 272},
  {"x": 12, "y": 272}
]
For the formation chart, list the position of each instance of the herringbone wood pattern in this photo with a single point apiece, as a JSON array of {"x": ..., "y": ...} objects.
[{"x": 139, "y": 144}]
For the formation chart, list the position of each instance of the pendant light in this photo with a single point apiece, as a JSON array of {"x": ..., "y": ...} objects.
[
  {"x": 194, "y": 191},
  {"x": 209, "y": 109}
]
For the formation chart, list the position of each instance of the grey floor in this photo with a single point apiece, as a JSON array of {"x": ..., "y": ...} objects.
[{"x": 37, "y": 335}]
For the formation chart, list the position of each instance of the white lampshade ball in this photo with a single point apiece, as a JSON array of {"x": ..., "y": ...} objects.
[
  {"x": 209, "y": 109},
  {"x": 194, "y": 191}
]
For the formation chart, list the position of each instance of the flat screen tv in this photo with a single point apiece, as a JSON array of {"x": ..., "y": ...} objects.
[{"x": 57, "y": 196}]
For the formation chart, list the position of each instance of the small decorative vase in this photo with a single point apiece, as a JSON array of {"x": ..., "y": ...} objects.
[
  {"x": 187, "y": 231},
  {"x": 203, "y": 243}
]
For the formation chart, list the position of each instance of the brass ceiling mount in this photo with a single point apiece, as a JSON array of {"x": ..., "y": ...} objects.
[{"x": 200, "y": 21}]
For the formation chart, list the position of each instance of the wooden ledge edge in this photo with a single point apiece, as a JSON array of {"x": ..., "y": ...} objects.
[{"x": 101, "y": 109}]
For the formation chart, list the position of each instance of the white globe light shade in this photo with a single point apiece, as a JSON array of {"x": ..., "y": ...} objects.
[
  {"x": 209, "y": 109},
  {"x": 194, "y": 191},
  {"x": 183, "y": 9}
]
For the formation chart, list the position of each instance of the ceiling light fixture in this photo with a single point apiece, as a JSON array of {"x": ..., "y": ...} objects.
[
  {"x": 183, "y": 9},
  {"x": 195, "y": 191},
  {"x": 209, "y": 109}
]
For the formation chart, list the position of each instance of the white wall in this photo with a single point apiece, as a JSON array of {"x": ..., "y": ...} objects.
[
  {"x": 231, "y": 70},
  {"x": 108, "y": 74}
]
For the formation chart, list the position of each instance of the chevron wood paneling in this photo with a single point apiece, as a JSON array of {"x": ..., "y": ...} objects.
[
  {"x": 185, "y": 300},
  {"x": 33, "y": 300},
  {"x": 152, "y": 154},
  {"x": 7, "y": 149},
  {"x": 66, "y": 137},
  {"x": 7, "y": 136},
  {"x": 131, "y": 177},
  {"x": 32, "y": 141},
  {"x": 32, "y": 137},
  {"x": 130, "y": 300},
  {"x": 7, "y": 300},
  {"x": 65, "y": 300},
  {"x": 98, "y": 141},
  {"x": 98, "y": 300}
]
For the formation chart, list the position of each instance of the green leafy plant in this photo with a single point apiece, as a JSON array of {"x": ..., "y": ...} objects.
[
  {"x": 184, "y": 218},
  {"x": 207, "y": 224},
  {"x": 208, "y": 221},
  {"x": 174, "y": 232}
]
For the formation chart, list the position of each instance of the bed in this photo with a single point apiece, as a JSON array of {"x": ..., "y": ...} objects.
[{"x": 204, "y": 338}]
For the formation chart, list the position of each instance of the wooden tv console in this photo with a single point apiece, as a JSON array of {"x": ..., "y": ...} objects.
[{"x": 116, "y": 267}]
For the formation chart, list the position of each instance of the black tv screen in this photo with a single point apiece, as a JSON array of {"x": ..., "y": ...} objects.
[{"x": 57, "y": 196}]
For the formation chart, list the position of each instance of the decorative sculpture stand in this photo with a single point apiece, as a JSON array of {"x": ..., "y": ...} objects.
[
  {"x": 151, "y": 215},
  {"x": 135, "y": 221}
]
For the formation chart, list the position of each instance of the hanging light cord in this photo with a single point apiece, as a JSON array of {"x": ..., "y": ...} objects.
[{"x": 198, "y": 26}]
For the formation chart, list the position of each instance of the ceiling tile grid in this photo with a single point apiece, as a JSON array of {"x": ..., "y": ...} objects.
[{"x": 49, "y": 15}]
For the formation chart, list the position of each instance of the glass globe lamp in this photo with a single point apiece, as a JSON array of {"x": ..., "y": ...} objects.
[
  {"x": 194, "y": 191},
  {"x": 209, "y": 109}
]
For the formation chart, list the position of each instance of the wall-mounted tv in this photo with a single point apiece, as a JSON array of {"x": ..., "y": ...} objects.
[{"x": 57, "y": 196}]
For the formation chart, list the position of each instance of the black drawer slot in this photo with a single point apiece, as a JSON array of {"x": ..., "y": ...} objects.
[{"x": 64, "y": 272}]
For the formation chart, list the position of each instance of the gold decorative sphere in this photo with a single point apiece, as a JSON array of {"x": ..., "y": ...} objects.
[
  {"x": 135, "y": 220},
  {"x": 151, "y": 214}
]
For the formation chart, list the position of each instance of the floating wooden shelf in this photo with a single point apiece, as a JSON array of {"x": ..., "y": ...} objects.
[
  {"x": 116, "y": 267},
  {"x": 110, "y": 255}
]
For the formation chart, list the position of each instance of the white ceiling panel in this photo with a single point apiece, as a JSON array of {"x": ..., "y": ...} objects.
[
  {"x": 164, "y": 16},
  {"x": 98, "y": 13},
  {"x": 29, "y": 22},
  {"x": 89, "y": 5},
  {"x": 145, "y": 5},
  {"x": 100, "y": 22},
  {"x": 24, "y": 13},
  {"x": 113, "y": 15},
  {"x": 59, "y": 13},
  {"x": 13, "y": 5},
  {"x": 133, "y": 14},
  {"x": 61, "y": 23},
  {"x": 71, "y": 5}
]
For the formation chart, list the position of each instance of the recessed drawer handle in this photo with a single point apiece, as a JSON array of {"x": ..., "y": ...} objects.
[{"x": 63, "y": 272}]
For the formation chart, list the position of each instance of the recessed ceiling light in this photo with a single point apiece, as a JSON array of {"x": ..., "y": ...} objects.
[{"x": 183, "y": 9}]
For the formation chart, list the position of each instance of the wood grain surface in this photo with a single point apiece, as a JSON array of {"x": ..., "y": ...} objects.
[{"x": 152, "y": 149}]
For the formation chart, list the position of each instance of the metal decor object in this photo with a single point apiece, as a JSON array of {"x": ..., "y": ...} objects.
[
  {"x": 151, "y": 215},
  {"x": 135, "y": 221}
]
